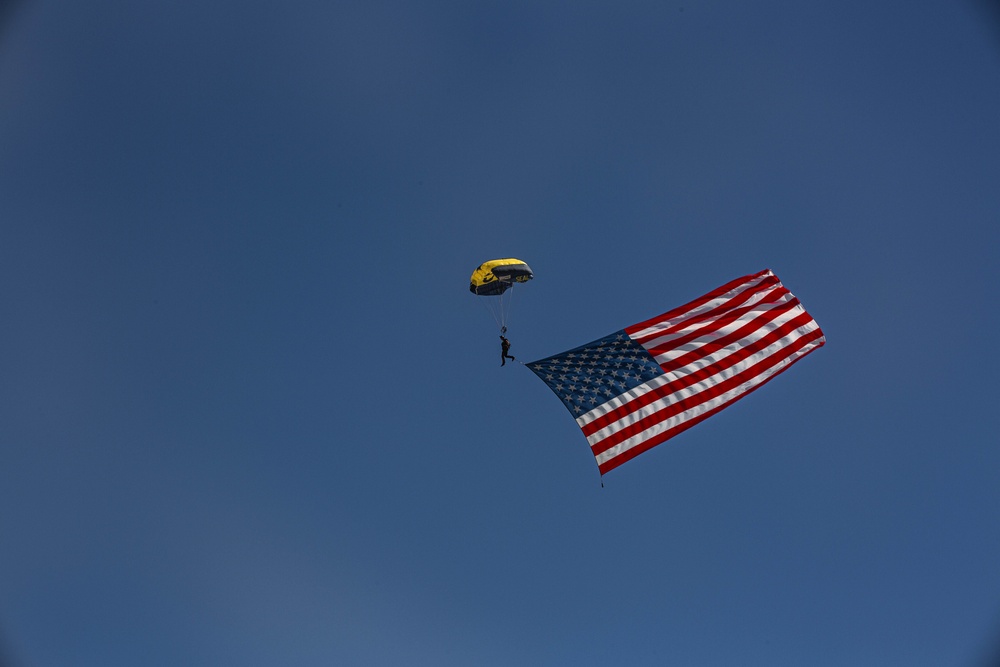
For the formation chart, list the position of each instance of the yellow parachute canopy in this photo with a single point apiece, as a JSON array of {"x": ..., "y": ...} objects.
[{"x": 496, "y": 276}]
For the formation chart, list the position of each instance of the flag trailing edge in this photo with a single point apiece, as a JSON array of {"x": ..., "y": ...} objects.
[{"x": 638, "y": 387}]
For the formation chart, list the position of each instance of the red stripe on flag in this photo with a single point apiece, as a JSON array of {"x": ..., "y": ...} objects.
[
  {"x": 710, "y": 393},
  {"x": 732, "y": 285},
  {"x": 723, "y": 322},
  {"x": 699, "y": 375},
  {"x": 685, "y": 331},
  {"x": 660, "y": 438},
  {"x": 724, "y": 384}
]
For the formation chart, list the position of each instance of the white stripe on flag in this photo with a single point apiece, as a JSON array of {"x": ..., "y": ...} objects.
[
  {"x": 752, "y": 380},
  {"x": 712, "y": 351}
]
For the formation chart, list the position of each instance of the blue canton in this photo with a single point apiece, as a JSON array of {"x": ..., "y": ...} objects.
[{"x": 592, "y": 374}]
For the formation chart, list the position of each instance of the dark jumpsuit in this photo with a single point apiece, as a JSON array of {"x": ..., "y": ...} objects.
[{"x": 504, "y": 349}]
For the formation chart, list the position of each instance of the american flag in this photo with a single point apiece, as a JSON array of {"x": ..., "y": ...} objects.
[{"x": 641, "y": 386}]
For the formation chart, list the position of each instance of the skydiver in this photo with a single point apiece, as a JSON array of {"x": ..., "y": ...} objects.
[{"x": 504, "y": 349}]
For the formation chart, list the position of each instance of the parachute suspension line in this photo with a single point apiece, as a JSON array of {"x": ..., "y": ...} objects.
[
  {"x": 491, "y": 309},
  {"x": 502, "y": 302},
  {"x": 501, "y": 318},
  {"x": 510, "y": 300},
  {"x": 499, "y": 307}
]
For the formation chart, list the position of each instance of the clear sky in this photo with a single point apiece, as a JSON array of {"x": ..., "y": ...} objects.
[{"x": 250, "y": 413}]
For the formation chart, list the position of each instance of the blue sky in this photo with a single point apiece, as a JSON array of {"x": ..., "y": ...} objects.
[{"x": 252, "y": 415}]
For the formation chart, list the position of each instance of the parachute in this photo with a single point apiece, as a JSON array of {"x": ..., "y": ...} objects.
[{"x": 494, "y": 281}]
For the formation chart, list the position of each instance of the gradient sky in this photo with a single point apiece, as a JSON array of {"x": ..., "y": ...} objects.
[{"x": 251, "y": 415}]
